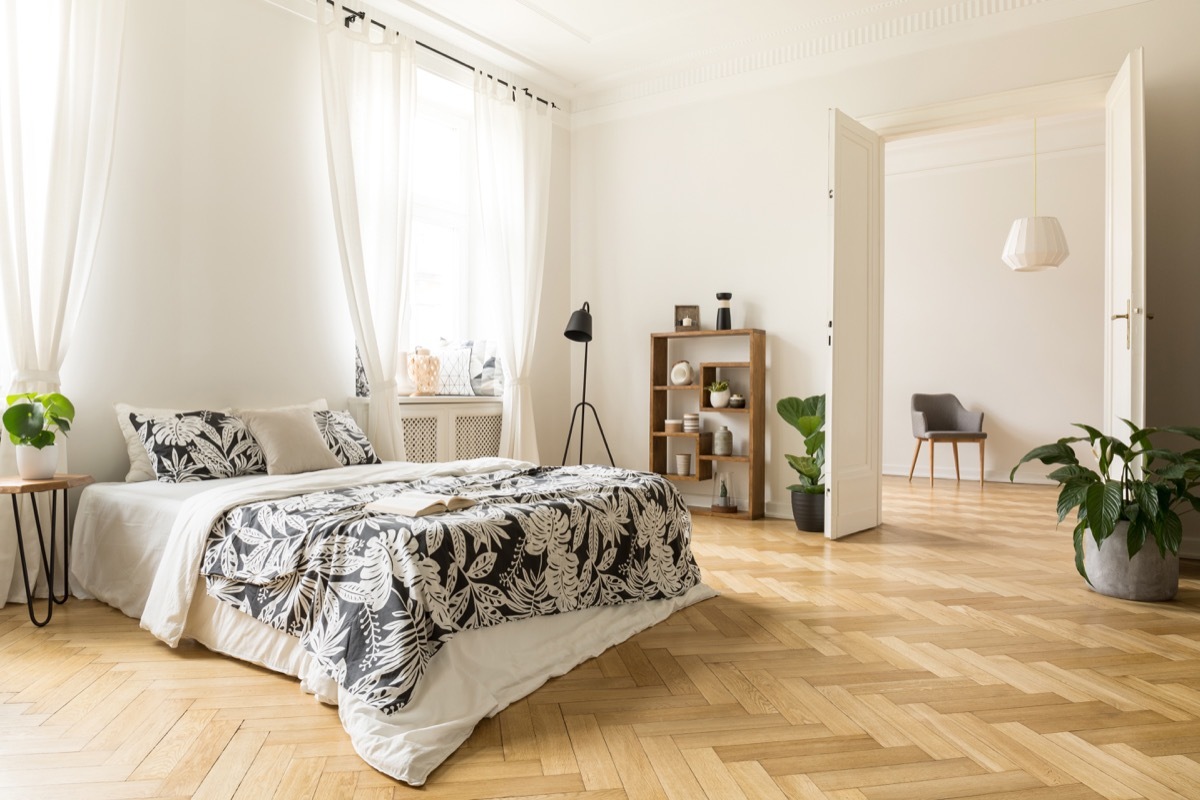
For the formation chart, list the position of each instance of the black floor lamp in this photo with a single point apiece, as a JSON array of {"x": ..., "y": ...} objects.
[{"x": 579, "y": 329}]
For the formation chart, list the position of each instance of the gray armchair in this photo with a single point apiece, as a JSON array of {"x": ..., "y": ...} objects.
[{"x": 941, "y": 418}]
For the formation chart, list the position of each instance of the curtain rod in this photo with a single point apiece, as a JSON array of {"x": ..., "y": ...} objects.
[{"x": 362, "y": 15}]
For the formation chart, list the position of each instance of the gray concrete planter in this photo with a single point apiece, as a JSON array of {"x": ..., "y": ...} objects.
[{"x": 1147, "y": 576}]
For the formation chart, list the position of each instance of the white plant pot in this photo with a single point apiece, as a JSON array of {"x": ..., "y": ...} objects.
[
  {"x": 1147, "y": 576},
  {"x": 37, "y": 465},
  {"x": 719, "y": 399}
]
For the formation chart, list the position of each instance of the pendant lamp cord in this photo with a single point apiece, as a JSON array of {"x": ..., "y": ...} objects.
[{"x": 1035, "y": 166}]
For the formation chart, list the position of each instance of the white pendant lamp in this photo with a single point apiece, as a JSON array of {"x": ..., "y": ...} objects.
[{"x": 1035, "y": 243}]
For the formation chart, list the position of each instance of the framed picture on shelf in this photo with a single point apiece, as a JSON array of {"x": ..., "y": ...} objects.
[{"x": 687, "y": 318}]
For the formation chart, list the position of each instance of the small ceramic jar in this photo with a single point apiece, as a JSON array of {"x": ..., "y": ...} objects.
[{"x": 722, "y": 444}]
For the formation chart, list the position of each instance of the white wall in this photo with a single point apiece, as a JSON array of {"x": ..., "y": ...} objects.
[
  {"x": 1024, "y": 348},
  {"x": 217, "y": 279},
  {"x": 671, "y": 205}
]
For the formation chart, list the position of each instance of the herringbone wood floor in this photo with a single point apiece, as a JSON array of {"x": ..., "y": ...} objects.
[{"x": 952, "y": 653}]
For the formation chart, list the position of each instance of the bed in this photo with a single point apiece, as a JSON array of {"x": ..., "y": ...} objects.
[{"x": 187, "y": 560}]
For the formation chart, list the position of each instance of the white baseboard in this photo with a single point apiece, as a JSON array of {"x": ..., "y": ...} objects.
[{"x": 947, "y": 473}]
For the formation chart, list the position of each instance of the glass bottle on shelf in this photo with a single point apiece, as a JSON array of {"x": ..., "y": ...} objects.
[{"x": 723, "y": 501}]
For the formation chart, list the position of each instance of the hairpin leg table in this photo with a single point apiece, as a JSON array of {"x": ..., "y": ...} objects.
[{"x": 56, "y": 486}]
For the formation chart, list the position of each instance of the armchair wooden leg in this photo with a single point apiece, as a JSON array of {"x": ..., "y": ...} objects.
[
  {"x": 982, "y": 442},
  {"x": 931, "y": 449},
  {"x": 916, "y": 453},
  {"x": 957, "y": 477}
]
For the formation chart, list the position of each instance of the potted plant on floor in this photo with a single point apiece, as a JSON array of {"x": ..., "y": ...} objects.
[
  {"x": 1127, "y": 531},
  {"x": 808, "y": 496},
  {"x": 31, "y": 420}
]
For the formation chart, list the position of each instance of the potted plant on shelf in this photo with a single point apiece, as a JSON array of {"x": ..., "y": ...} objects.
[
  {"x": 718, "y": 394},
  {"x": 31, "y": 420},
  {"x": 808, "y": 496},
  {"x": 1127, "y": 530}
]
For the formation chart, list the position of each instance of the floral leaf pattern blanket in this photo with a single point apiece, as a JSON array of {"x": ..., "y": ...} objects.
[{"x": 374, "y": 596}]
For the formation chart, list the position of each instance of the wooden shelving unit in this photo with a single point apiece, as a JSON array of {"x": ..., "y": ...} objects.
[{"x": 700, "y": 446}]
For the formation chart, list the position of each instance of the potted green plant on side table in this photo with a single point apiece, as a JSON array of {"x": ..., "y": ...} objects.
[
  {"x": 808, "y": 496},
  {"x": 31, "y": 420},
  {"x": 1127, "y": 530}
]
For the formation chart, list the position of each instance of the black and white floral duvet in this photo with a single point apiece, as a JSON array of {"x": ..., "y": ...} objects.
[{"x": 373, "y": 597}]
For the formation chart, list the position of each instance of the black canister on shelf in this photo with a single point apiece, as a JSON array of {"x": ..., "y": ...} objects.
[{"x": 724, "y": 321}]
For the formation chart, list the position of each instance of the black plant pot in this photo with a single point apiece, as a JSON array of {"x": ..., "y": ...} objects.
[{"x": 809, "y": 511}]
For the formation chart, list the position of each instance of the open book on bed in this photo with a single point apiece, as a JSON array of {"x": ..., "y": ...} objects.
[{"x": 418, "y": 504}]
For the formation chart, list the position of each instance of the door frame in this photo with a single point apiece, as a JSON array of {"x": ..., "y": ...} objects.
[
  {"x": 1062, "y": 97},
  {"x": 1059, "y": 97}
]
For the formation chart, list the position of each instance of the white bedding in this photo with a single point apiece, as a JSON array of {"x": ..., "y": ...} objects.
[{"x": 137, "y": 547}]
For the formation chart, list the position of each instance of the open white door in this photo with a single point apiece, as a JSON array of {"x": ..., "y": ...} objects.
[
  {"x": 853, "y": 444},
  {"x": 1125, "y": 250}
]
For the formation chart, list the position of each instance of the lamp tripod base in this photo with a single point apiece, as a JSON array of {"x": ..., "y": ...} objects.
[{"x": 581, "y": 409}]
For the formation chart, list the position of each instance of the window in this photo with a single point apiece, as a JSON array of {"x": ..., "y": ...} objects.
[{"x": 439, "y": 282}]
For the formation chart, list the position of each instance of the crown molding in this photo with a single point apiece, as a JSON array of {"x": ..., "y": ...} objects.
[{"x": 787, "y": 56}]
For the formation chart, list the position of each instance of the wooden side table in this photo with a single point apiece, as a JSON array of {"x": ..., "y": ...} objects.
[{"x": 13, "y": 487}]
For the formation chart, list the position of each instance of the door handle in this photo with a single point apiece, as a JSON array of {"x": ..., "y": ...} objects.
[{"x": 1128, "y": 332}]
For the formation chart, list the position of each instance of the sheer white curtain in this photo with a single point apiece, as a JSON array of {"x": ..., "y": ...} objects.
[
  {"x": 368, "y": 83},
  {"x": 60, "y": 65},
  {"x": 512, "y": 141}
]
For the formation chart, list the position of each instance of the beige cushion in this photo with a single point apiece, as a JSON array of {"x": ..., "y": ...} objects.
[
  {"x": 316, "y": 405},
  {"x": 290, "y": 440}
]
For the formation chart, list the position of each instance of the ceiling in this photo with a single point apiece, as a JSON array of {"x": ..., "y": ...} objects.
[
  {"x": 593, "y": 52},
  {"x": 594, "y": 43}
]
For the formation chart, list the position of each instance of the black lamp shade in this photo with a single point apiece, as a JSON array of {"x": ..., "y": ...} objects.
[{"x": 579, "y": 326}]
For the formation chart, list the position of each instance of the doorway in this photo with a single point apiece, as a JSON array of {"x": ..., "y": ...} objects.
[
  {"x": 1021, "y": 347},
  {"x": 857, "y": 271}
]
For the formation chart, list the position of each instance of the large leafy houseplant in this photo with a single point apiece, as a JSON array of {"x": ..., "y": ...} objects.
[
  {"x": 31, "y": 419},
  {"x": 1134, "y": 481},
  {"x": 808, "y": 417}
]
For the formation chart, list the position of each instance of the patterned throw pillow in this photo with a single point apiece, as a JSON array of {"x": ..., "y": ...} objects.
[
  {"x": 455, "y": 378},
  {"x": 344, "y": 438},
  {"x": 198, "y": 446},
  {"x": 487, "y": 376}
]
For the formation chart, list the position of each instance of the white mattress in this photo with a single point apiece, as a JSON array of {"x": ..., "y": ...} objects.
[
  {"x": 118, "y": 537},
  {"x": 121, "y": 532}
]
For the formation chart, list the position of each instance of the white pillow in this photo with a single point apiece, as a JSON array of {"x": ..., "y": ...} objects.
[
  {"x": 290, "y": 440},
  {"x": 455, "y": 377}
]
